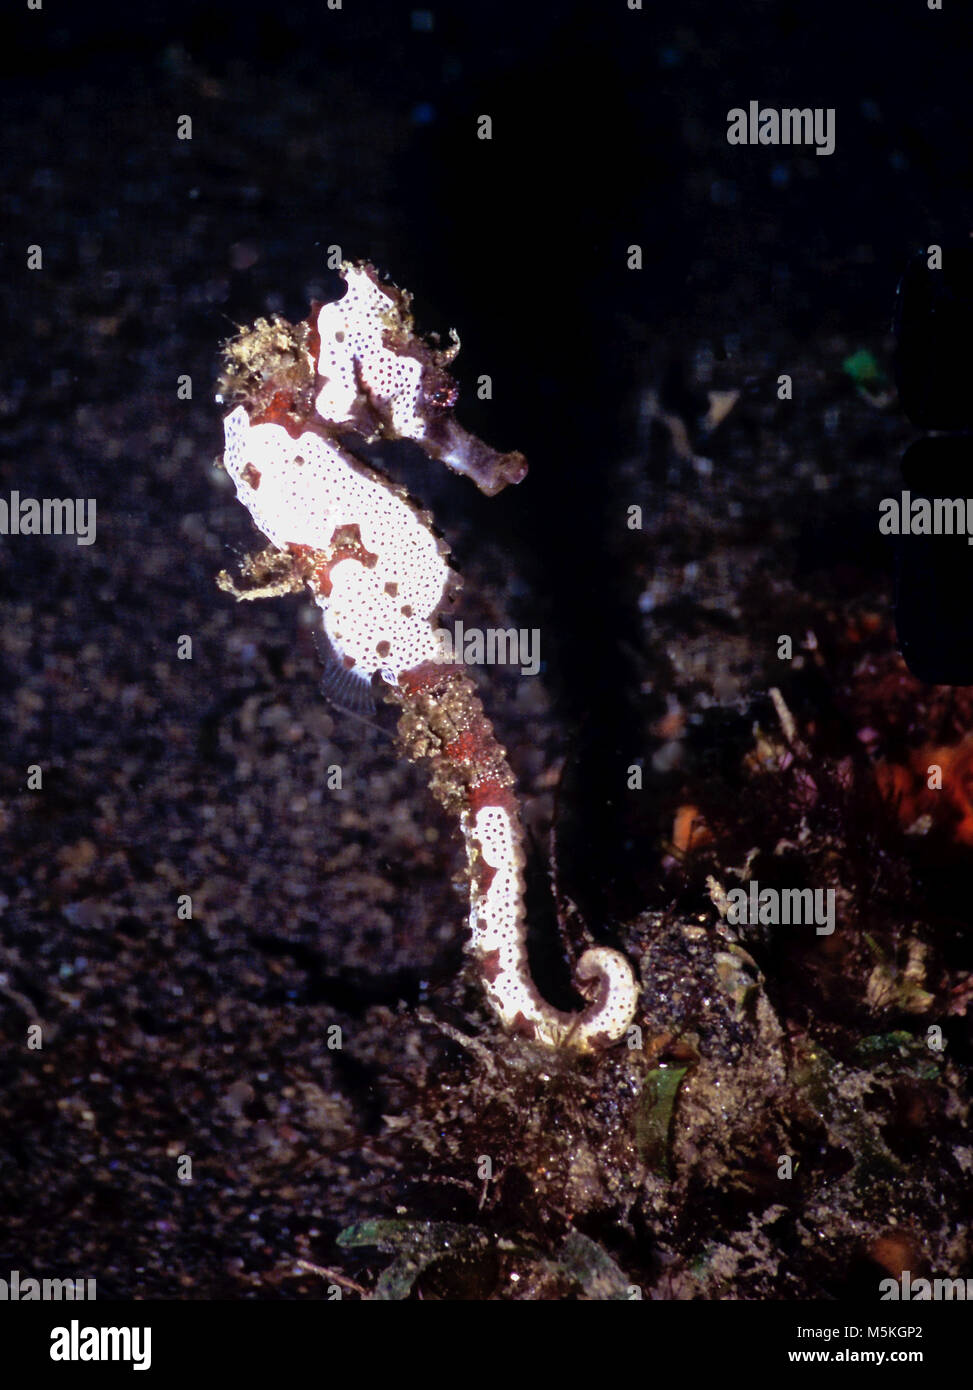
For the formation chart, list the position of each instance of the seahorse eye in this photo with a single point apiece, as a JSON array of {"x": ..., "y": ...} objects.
[{"x": 441, "y": 394}]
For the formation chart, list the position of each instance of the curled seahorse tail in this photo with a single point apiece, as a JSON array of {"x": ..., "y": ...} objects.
[
  {"x": 443, "y": 721},
  {"x": 607, "y": 979}
]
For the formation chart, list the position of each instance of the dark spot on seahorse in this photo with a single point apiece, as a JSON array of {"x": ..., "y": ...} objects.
[
  {"x": 524, "y": 1026},
  {"x": 251, "y": 476},
  {"x": 426, "y": 678},
  {"x": 406, "y": 610},
  {"x": 321, "y": 573},
  {"x": 483, "y": 876},
  {"x": 299, "y": 460},
  {"x": 391, "y": 589},
  {"x": 346, "y": 544},
  {"x": 490, "y": 966},
  {"x": 348, "y": 662},
  {"x": 383, "y": 648},
  {"x": 313, "y": 343}
]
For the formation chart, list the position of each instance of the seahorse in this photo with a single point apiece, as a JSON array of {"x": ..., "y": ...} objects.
[{"x": 373, "y": 563}]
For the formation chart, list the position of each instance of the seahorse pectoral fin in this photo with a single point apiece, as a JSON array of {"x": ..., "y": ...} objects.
[{"x": 347, "y": 690}]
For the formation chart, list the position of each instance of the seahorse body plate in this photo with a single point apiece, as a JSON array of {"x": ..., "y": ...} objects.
[{"x": 377, "y": 571}]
